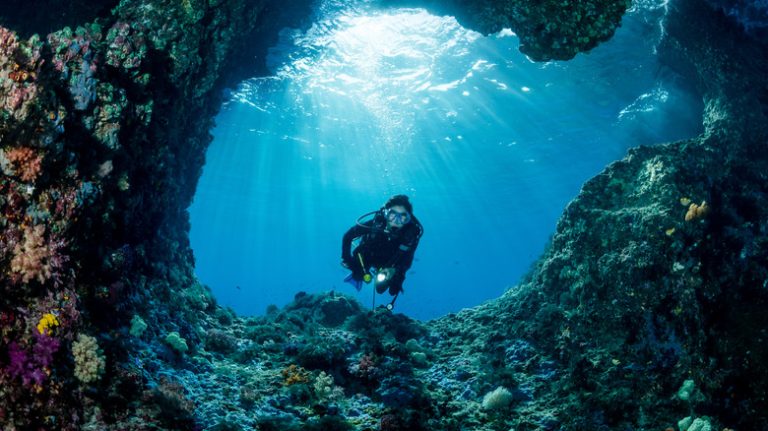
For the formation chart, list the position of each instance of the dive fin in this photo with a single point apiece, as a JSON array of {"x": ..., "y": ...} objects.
[{"x": 357, "y": 283}]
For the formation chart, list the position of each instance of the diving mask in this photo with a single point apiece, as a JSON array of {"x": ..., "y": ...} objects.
[{"x": 398, "y": 218}]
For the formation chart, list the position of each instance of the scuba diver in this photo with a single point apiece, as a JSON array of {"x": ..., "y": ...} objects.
[{"x": 388, "y": 242}]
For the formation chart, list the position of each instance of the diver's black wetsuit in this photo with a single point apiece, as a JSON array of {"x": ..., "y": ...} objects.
[{"x": 381, "y": 248}]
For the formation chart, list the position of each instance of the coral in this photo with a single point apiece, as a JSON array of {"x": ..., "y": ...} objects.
[
  {"x": 34, "y": 369},
  {"x": 82, "y": 85},
  {"x": 696, "y": 212},
  {"x": 685, "y": 391},
  {"x": 138, "y": 326},
  {"x": 293, "y": 374},
  {"x": 36, "y": 259},
  {"x": 198, "y": 297},
  {"x": 64, "y": 204},
  {"x": 108, "y": 118},
  {"x": 413, "y": 345},
  {"x": 89, "y": 360},
  {"x": 497, "y": 399},
  {"x": 324, "y": 388},
  {"x": 127, "y": 47},
  {"x": 367, "y": 369},
  {"x": 123, "y": 184},
  {"x": 105, "y": 169},
  {"x": 44, "y": 349},
  {"x": 19, "y": 64},
  {"x": 8, "y": 43},
  {"x": 25, "y": 161},
  {"x": 399, "y": 390},
  {"x": 698, "y": 424},
  {"x": 178, "y": 343},
  {"x": 76, "y": 60},
  {"x": 419, "y": 359},
  {"x": 19, "y": 364},
  {"x": 47, "y": 322},
  {"x": 335, "y": 309},
  {"x": 170, "y": 396},
  {"x": 323, "y": 352},
  {"x": 219, "y": 341}
]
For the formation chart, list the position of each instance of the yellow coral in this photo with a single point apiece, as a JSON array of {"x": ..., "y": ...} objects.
[
  {"x": 294, "y": 374},
  {"x": 696, "y": 212},
  {"x": 47, "y": 322}
]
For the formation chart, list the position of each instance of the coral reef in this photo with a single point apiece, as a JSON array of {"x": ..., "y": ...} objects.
[{"x": 634, "y": 318}]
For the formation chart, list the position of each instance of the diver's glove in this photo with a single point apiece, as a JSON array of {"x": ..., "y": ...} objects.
[{"x": 384, "y": 278}]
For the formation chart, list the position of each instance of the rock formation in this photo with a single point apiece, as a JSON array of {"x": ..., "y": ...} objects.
[{"x": 634, "y": 317}]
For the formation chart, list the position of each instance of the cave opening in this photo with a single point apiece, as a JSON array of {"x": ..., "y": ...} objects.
[{"x": 371, "y": 102}]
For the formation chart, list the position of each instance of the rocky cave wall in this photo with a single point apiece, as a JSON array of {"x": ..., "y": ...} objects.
[
  {"x": 656, "y": 274},
  {"x": 548, "y": 30},
  {"x": 103, "y": 132}
]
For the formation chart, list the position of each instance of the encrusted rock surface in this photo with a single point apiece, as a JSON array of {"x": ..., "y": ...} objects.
[
  {"x": 548, "y": 29},
  {"x": 645, "y": 312},
  {"x": 103, "y": 131}
]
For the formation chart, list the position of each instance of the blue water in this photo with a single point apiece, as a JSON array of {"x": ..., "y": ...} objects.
[{"x": 367, "y": 103}]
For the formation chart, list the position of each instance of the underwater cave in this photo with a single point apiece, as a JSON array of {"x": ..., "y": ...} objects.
[
  {"x": 371, "y": 102},
  {"x": 589, "y": 174}
]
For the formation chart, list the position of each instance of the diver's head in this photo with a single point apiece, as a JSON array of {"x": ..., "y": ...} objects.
[{"x": 398, "y": 211}]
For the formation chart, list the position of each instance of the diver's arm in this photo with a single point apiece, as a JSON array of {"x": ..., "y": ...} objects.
[
  {"x": 403, "y": 263},
  {"x": 407, "y": 249},
  {"x": 355, "y": 231}
]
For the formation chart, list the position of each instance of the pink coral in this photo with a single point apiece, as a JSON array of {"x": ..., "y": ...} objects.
[
  {"x": 19, "y": 65},
  {"x": 19, "y": 98},
  {"x": 77, "y": 62},
  {"x": 36, "y": 259},
  {"x": 14, "y": 207},
  {"x": 127, "y": 47},
  {"x": 366, "y": 368},
  {"x": 72, "y": 47},
  {"x": 26, "y": 162},
  {"x": 8, "y": 42}
]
